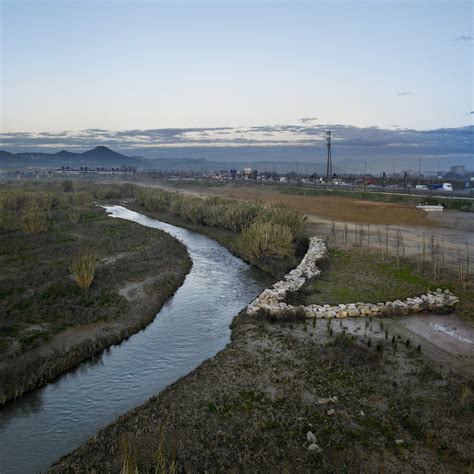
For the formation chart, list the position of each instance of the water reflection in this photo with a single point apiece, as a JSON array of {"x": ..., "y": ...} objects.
[{"x": 191, "y": 327}]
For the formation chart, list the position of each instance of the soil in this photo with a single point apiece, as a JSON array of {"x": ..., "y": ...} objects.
[
  {"x": 342, "y": 209},
  {"x": 372, "y": 406}
]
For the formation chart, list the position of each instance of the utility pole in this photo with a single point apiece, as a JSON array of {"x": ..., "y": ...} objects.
[
  {"x": 365, "y": 173},
  {"x": 329, "y": 162}
]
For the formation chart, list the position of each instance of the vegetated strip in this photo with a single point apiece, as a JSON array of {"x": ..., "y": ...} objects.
[
  {"x": 50, "y": 323},
  {"x": 271, "y": 238}
]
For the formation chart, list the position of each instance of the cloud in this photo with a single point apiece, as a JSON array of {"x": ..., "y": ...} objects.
[
  {"x": 464, "y": 38},
  {"x": 348, "y": 140},
  {"x": 405, "y": 93}
]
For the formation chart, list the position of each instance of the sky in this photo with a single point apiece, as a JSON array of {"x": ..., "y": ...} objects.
[{"x": 220, "y": 73}]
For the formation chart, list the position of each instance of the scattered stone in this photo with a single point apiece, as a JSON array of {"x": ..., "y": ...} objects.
[
  {"x": 331, "y": 412},
  {"x": 399, "y": 442},
  {"x": 311, "y": 437},
  {"x": 315, "y": 448}
]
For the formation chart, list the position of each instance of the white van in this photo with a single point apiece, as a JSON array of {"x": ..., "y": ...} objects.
[{"x": 447, "y": 187}]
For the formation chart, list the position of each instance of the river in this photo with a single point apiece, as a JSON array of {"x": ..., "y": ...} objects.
[{"x": 192, "y": 326}]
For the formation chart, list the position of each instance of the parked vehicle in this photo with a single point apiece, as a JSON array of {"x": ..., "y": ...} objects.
[{"x": 442, "y": 187}]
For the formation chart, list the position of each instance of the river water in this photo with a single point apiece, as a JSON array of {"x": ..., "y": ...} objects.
[{"x": 192, "y": 326}]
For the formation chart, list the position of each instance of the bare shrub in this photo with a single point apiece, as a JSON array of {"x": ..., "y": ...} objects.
[{"x": 83, "y": 268}]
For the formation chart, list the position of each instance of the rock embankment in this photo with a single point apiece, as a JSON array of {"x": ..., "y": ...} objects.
[{"x": 272, "y": 300}]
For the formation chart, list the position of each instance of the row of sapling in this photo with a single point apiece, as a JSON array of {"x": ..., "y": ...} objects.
[{"x": 430, "y": 255}]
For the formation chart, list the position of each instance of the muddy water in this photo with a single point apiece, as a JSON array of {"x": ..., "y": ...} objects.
[{"x": 193, "y": 326}]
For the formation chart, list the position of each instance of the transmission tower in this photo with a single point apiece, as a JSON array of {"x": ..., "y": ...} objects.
[{"x": 329, "y": 162}]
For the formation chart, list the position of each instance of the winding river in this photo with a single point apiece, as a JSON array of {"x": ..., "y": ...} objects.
[{"x": 191, "y": 327}]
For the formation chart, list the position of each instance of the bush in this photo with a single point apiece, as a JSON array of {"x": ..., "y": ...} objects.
[
  {"x": 48, "y": 201},
  {"x": 67, "y": 185},
  {"x": 33, "y": 220},
  {"x": 74, "y": 214},
  {"x": 264, "y": 239},
  {"x": 265, "y": 231},
  {"x": 83, "y": 268}
]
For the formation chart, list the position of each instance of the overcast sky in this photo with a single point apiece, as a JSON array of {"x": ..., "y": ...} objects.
[{"x": 150, "y": 65}]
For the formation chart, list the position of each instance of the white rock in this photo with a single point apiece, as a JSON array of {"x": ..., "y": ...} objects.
[
  {"x": 310, "y": 437},
  {"x": 315, "y": 448}
]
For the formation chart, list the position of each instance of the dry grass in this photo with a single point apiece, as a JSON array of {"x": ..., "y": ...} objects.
[{"x": 83, "y": 268}]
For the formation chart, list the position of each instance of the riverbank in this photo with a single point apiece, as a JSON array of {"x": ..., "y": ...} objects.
[
  {"x": 353, "y": 394},
  {"x": 275, "y": 267},
  {"x": 49, "y": 324},
  {"x": 371, "y": 404}
]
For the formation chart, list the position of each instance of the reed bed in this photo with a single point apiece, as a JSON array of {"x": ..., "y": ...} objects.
[{"x": 264, "y": 231}]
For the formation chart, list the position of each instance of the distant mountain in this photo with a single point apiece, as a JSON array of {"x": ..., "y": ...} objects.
[{"x": 100, "y": 156}]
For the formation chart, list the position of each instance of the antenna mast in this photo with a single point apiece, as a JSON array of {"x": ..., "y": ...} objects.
[{"x": 329, "y": 162}]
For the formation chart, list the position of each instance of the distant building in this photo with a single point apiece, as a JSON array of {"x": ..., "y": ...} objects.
[{"x": 458, "y": 169}]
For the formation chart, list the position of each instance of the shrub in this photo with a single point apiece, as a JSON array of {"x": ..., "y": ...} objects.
[
  {"x": 281, "y": 215},
  {"x": 48, "y": 201},
  {"x": 264, "y": 239},
  {"x": 33, "y": 220},
  {"x": 67, "y": 185},
  {"x": 81, "y": 198},
  {"x": 74, "y": 214},
  {"x": 83, "y": 268}
]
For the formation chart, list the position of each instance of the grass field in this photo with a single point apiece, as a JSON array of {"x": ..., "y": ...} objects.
[
  {"x": 351, "y": 277},
  {"x": 38, "y": 296}
]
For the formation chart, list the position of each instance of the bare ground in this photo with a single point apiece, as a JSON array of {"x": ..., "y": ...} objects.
[
  {"x": 249, "y": 409},
  {"x": 402, "y": 387}
]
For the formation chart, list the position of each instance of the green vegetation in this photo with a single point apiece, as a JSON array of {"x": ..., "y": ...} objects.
[
  {"x": 83, "y": 268},
  {"x": 264, "y": 238},
  {"x": 351, "y": 277},
  {"x": 459, "y": 204},
  {"x": 39, "y": 297},
  {"x": 33, "y": 220},
  {"x": 269, "y": 237}
]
